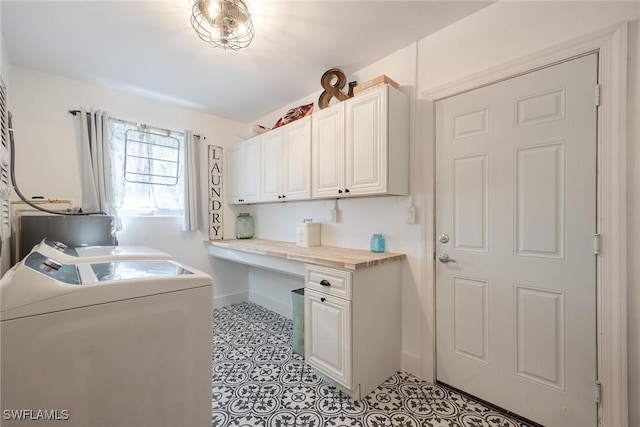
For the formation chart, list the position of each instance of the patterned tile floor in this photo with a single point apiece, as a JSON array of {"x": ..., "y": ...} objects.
[{"x": 259, "y": 381}]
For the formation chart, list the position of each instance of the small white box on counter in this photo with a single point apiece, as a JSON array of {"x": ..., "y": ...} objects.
[{"x": 308, "y": 233}]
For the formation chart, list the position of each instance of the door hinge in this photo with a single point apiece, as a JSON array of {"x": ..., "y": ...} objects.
[
  {"x": 598, "y": 95},
  {"x": 596, "y": 244},
  {"x": 598, "y": 392}
]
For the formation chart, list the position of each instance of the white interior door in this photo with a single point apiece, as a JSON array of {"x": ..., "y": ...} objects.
[{"x": 516, "y": 199}]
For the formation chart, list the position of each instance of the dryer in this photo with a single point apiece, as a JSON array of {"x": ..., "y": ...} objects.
[
  {"x": 120, "y": 343},
  {"x": 61, "y": 252}
]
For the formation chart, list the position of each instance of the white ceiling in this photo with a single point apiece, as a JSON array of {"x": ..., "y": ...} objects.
[{"x": 149, "y": 47}]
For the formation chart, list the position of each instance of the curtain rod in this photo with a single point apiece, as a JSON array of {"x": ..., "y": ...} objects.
[{"x": 76, "y": 112}]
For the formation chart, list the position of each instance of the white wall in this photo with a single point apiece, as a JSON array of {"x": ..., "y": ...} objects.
[
  {"x": 633, "y": 223},
  {"x": 5, "y": 61},
  {"x": 47, "y": 161}
]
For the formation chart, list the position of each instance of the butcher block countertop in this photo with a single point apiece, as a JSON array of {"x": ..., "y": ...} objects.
[{"x": 350, "y": 259}]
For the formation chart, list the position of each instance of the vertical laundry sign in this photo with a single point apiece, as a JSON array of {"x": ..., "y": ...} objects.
[{"x": 215, "y": 193}]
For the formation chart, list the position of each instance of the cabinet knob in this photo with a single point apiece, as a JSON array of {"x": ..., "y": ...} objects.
[
  {"x": 284, "y": 197},
  {"x": 339, "y": 191},
  {"x": 279, "y": 197},
  {"x": 325, "y": 282},
  {"x": 346, "y": 190},
  {"x": 323, "y": 299}
]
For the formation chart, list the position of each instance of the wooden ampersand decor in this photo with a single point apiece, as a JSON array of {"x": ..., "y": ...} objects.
[{"x": 334, "y": 90}]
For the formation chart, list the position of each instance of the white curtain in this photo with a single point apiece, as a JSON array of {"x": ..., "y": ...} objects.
[
  {"x": 95, "y": 159},
  {"x": 190, "y": 219}
]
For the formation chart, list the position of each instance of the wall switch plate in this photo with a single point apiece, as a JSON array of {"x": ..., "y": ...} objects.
[{"x": 410, "y": 215}]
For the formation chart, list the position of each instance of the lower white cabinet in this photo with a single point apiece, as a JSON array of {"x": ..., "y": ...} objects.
[
  {"x": 353, "y": 325},
  {"x": 328, "y": 338}
]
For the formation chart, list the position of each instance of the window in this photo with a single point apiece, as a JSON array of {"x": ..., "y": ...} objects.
[{"x": 147, "y": 169}]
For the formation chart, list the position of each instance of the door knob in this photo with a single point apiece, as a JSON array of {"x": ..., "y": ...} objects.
[
  {"x": 444, "y": 258},
  {"x": 443, "y": 238}
]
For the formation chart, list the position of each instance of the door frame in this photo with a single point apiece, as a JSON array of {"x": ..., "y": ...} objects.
[{"x": 611, "y": 277}]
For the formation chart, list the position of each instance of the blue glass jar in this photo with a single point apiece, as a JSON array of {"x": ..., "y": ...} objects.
[
  {"x": 244, "y": 226},
  {"x": 377, "y": 243}
]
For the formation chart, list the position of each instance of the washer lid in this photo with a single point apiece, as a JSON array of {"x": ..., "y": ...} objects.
[
  {"x": 72, "y": 255},
  {"x": 119, "y": 252},
  {"x": 128, "y": 270}
]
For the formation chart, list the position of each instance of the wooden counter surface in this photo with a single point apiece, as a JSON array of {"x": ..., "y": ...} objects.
[{"x": 350, "y": 259}]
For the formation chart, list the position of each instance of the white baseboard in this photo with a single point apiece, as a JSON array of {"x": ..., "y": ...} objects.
[
  {"x": 279, "y": 307},
  {"x": 225, "y": 300}
]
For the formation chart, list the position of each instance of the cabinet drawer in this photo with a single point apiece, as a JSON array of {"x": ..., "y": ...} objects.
[{"x": 330, "y": 281}]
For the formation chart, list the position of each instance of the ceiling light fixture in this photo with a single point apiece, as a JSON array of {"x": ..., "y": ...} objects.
[{"x": 223, "y": 23}]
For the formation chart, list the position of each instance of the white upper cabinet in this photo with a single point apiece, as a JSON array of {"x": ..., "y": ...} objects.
[
  {"x": 358, "y": 147},
  {"x": 286, "y": 162},
  {"x": 296, "y": 169},
  {"x": 272, "y": 156},
  {"x": 361, "y": 146},
  {"x": 327, "y": 151},
  {"x": 236, "y": 174},
  {"x": 244, "y": 172},
  {"x": 252, "y": 170}
]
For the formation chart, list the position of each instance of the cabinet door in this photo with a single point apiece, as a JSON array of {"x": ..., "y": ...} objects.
[
  {"x": 366, "y": 142},
  {"x": 297, "y": 154},
  {"x": 328, "y": 335},
  {"x": 252, "y": 170},
  {"x": 327, "y": 143},
  {"x": 272, "y": 163},
  {"x": 236, "y": 174}
]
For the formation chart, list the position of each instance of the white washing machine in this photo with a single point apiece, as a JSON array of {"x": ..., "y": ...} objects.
[
  {"x": 60, "y": 252},
  {"x": 123, "y": 343}
]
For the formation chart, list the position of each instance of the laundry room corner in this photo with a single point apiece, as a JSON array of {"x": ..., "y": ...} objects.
[{"x": 48, "y": 163}]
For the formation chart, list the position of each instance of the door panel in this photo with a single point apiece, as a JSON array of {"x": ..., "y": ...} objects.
[
  {"x": 328, "y": 335},
  {"x": 540, "y": 324},
  {"x": 236, "y": 170},
  {"x": 366, "y": 155},
  {"x": 470, "y": 203},
  {"x": 327, "y": 144},
  {"x": 252, "y": 169},
  {"x": 297, "y": 137},
  {"x": 271, "y": 161},
  {"x": 471, "y": 318},
  {"x": 540, "y": 201},
  {"x": 516, "y": 195}
]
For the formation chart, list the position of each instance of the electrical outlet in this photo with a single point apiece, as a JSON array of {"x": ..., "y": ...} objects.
[{"x": 410, "y": 215}]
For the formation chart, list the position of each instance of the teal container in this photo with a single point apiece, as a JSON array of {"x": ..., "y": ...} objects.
[
  {"x": 378, "y": 243},
  {"x": 297, "y": 338},
  {"x": 244, "y": 226}
]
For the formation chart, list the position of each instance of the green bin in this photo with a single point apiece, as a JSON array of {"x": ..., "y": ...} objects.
[{"x": 297, "y": 338}]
